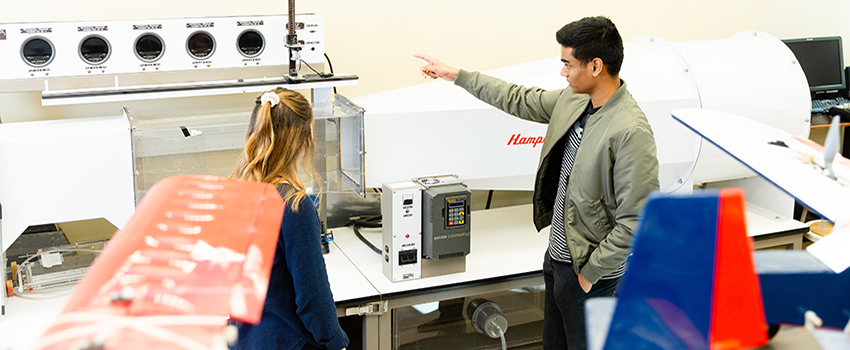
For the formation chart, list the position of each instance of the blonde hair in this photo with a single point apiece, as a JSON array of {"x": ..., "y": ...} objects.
[{"x": 279, "y": 139}]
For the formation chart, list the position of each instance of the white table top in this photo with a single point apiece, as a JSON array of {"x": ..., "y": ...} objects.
[
  {"x": 347, "y": 283},
  {"x": 761, "y": 222},
  {"x": 27, "y": 319},
  {"x": 503, "y": 243}
]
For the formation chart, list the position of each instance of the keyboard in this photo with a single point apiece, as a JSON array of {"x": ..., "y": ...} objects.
[{"x": 818, "y": 106}]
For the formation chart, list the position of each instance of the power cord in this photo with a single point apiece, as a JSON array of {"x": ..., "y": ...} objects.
[
  {"x": 330, "y": 67},
  {"x": 368, "y": 222},
  {"x": 322, "y": 74}
]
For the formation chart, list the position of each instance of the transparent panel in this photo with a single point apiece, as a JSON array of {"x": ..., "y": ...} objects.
[
  {"x": 166, "y": 146},
  {"x": 338, "y": 132},
  {"x": 169, "y": 145},
  {"x": 448, "y": 324}
]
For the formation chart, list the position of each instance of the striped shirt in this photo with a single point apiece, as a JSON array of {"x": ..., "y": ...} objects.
[{"x": 558, "y": 248}]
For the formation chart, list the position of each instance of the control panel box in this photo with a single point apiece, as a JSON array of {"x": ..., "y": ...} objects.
[
  {"x": 145, "y": 46},
  {"x": 446, "y": 219},
  {"x": 401, "y": 208}
]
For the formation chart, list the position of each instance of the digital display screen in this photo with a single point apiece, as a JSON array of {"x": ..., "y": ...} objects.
[{"x": 456, "y": 204}]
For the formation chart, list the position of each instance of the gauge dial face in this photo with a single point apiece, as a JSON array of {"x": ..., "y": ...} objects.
[
  {"x": 149, "y": 47},
  {"x": 200, "y": 45},
  {"x": 94, "y": 49},
  {"x": 250, "y": 43},
  {"x": 37, "y": 52}
]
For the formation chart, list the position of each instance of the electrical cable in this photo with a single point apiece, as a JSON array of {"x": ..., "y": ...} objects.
[
  {"x": 311, "y": 68},
  {"x": 330, "y": 67},
  {"x": 371, "y": 246},
  {"x": 489, "y": 199},
  {"x": 49, "y": 294},
  {"x": 367, "y": 222},
  {"x": 54, "y": 293}
]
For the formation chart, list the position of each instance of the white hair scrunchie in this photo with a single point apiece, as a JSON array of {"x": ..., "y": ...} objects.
[{"x": 270, "y": 97}]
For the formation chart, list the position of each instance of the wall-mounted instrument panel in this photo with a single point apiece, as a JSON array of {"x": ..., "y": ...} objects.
[{"x": 118, "y": 47}]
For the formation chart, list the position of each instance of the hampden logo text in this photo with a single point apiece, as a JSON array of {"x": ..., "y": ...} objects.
[{"x": 518, "y": 139}]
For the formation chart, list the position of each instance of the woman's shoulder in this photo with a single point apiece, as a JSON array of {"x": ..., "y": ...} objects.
[{"x": 303, "y": 209}]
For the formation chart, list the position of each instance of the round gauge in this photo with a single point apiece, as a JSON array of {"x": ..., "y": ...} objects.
[
  {"x": 37, "y": 51},
  {"x": 200, "y": 45},
  {"x": 149, "y": 47},
  {"x": 94, "y": 49},
  {"x": 250, "y": 43}
]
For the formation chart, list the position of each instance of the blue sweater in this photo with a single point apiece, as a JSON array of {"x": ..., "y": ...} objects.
[{"x": 299, "y": 306}]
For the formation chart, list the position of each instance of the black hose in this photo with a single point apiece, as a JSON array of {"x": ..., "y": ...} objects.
[
  {"x": 371, "y": 246},
  {"x": 367, "y": 222}
]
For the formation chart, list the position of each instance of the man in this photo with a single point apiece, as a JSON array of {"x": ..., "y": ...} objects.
[{"x": 597, "y": 166}]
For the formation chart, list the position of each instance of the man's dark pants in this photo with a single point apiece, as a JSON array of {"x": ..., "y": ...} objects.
[{"x": 563, "y": 310}]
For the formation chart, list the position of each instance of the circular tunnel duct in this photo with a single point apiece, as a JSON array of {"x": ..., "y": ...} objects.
[{"x": 753, "y": 75}]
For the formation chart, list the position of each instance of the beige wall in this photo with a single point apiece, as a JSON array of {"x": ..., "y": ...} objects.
[{"x": 376, "y": 38}]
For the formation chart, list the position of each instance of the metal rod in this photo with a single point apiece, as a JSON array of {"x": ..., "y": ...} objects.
[{"x": 292, "y": 39}]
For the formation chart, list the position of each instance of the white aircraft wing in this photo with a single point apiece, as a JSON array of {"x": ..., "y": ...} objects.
[{"x": 764, "y": 149}]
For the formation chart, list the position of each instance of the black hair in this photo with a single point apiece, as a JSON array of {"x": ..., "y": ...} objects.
[{"x": 593, "y": 37}]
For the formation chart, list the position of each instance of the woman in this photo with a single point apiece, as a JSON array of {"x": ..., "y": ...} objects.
[{"x": 299, "y": 312}]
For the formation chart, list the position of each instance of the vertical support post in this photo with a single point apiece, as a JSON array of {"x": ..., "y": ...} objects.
[
  {"x": 292, "y": 40},
  {"x": 321, "y": 108},
  {"x": 385, "y": 330},
  {"x": 371, "y": 330},
  {"x": 293, "y": 46},
  {"x": 2, "y": 270}
]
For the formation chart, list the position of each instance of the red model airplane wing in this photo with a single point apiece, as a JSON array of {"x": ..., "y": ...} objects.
[{"x": 198, "y": 248}]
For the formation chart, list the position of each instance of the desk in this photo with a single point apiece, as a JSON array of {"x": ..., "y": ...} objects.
[
  {"x": 504, "y": 243},
  {"x": 820, "y": 122},
  {"x": 770, "y": 232},
  {"x": 506, "y": 254}
]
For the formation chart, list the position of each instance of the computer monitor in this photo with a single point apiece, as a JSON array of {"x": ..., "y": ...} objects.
[{"x": 822, "y": 61}]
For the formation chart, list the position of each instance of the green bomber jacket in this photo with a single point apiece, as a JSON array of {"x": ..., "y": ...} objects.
[{"x": 615, "y": 169}]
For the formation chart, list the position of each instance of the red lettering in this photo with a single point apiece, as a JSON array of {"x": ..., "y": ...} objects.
[
  {"x": 517, "y": 139},
  {"x": 513, "y": 138},
  {"x": 539, "y": 139}
]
